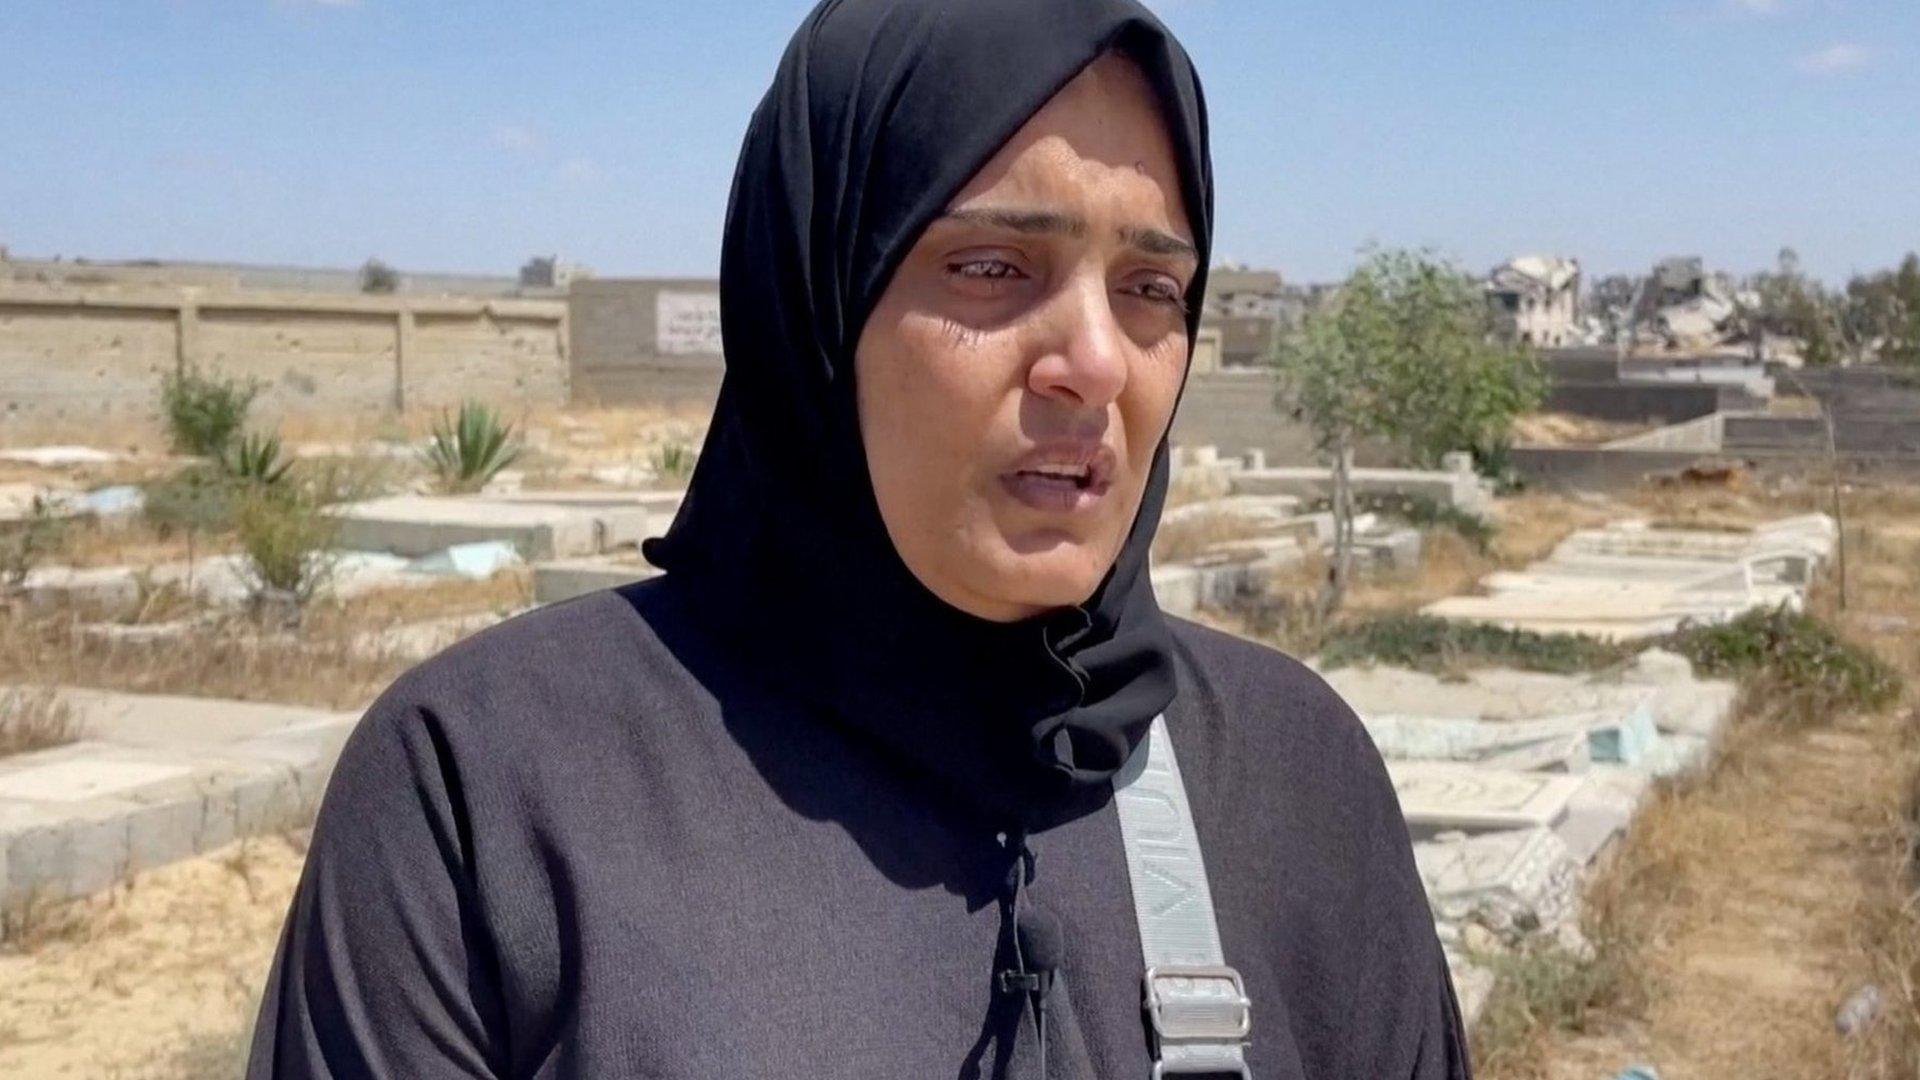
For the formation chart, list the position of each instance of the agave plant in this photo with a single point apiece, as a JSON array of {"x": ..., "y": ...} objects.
[
  {"x": 256, "y": 459},
  {"x": 673, "y": 464},
  {"x": 471, "y": 449}
]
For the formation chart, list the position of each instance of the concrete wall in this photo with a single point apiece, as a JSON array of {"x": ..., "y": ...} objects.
[
  {"x": 1855, "y": 435},
  {"x": 1234, "y": 411},
  {"x": 1639, "y": 402},
  {"x": 643, "y": 341},
  {"x": 84, "y": 354}
]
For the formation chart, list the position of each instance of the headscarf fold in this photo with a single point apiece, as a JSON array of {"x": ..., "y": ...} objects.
[{"x": 880, "y": 112}]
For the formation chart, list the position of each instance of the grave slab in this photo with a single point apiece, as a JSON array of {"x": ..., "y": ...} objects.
[
  {"x": 1438, "y": 797},
  {"x": 157, "y": 779},
  {"x": 417, "y": 525}
]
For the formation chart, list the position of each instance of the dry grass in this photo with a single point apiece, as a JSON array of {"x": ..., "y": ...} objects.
[
  {"x": 1184, "y": 539},
  {"x": 1531, "y": 525},
  {"x": 34, "y": 718},
  {"x": 1564, "y": 429},
  {"x": 324, "y": 662}
]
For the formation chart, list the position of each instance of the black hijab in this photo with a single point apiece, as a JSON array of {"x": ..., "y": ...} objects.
[{"x": 881, "y": 111}]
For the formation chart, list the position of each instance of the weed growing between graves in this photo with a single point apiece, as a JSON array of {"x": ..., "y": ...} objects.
[
  {"x": 1793, "y": 663},
  {"x": 288, "y": 543},
  {"x": 1546, "y": 985},
  {"x": 205, "y": 413},
  {"x": 25, "y": 543},
  {"x": 1442, "y": 646},
  {"x": 34, "y": 719},
  {"x": 468, "y": 450}
]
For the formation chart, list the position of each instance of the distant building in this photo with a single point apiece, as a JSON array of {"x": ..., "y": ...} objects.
[
  {"x": 1537, "y": 299},
  {"x": 1235, "y": 292},
  {"x": 1243, "y": 308},
  {"x": 551, "y": 272}
]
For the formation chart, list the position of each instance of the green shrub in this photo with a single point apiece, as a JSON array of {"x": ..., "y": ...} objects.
[
  {"x": 286, "y": 541},
  {"x": 1796, "y": 666},
  {"x": 1436, "y": 645},
  {"x": 196, "y": 499},
  {"x": 256, "y": 459},
  {"x": 673, "y": 464},
  {"x": 25, "y": 542},
  {"x": 205, "y": 412},
  {"x": 468, "y": 451}
]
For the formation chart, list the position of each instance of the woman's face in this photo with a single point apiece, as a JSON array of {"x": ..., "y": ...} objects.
[{"x": 1022, "y": 365}]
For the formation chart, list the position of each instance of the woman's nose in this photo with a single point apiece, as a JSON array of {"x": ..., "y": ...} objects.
[{"x": 1082, "y": 358}]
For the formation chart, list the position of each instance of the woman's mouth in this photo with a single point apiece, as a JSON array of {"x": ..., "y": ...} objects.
[{"x": 1061, "y": 479}]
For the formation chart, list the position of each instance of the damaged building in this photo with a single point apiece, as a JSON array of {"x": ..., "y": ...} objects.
[
  {"x": 1685, "y": 308},
  {"x": 1536, "y": 300}
]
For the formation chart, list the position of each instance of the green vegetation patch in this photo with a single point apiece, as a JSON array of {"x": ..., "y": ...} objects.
[
  {"x": 1796, "y": 663},
  {"x": 1440, "y": 646}
]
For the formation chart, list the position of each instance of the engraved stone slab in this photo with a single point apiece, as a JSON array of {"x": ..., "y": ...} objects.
[
  {"x": 1507, "y": 881},
  {"x": 81, "y": 779},
  {"x": 1440, "y": 796}
]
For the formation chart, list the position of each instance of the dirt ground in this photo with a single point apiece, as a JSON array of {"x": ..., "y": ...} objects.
[{"x": 155, "y": 981}]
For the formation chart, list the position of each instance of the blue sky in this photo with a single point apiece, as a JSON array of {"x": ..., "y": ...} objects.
[{"x": 471, "y": 135}]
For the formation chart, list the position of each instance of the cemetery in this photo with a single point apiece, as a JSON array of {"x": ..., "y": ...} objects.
[{"x": 1521, "y": 787}]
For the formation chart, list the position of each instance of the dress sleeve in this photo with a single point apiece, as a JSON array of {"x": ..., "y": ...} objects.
[{"x": 384, "y": 968}]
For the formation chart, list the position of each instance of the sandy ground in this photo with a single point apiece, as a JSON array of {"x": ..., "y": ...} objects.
[{"x": 154, "y": 982}]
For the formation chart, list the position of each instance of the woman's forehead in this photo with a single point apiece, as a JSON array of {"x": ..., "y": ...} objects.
[{"x": 1100, "y": 147}]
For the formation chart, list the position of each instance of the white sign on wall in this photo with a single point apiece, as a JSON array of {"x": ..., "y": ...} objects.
[{"x": 686, "y": 323}]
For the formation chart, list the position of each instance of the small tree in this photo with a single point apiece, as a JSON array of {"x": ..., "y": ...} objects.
[
  {"x": 205, "y": 411},
  {"x": 1406, "y": 353}
]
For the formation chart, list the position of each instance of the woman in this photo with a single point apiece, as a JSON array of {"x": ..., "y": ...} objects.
[{"x": 835, "y": 797}]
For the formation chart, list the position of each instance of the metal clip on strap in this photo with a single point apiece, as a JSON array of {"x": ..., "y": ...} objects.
[{"x": 1196, "y": 1005}]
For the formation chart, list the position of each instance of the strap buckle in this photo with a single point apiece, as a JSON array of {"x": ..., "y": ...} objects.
[{"x": 1201, "y": 1019}]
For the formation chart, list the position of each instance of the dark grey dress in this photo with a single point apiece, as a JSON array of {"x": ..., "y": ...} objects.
[{"x": 583, "y": 844}]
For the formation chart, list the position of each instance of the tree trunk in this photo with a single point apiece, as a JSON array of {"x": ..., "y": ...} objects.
[{"x": 1341, "y": 571}]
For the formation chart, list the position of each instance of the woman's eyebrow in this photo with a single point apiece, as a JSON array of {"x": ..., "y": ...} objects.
[
  {"x": 1043, "y": 222},
  {"x": 1158, "y": 242},
  {"x": 1019, "y": 219}
]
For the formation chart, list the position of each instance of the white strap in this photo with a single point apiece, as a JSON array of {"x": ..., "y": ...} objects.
[{"x": 1196, "y": 1005}]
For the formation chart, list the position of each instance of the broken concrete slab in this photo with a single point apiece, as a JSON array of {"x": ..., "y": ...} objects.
[
  {"x": 1438, "y": 797},
  {"x": 1509, "y": 882}
]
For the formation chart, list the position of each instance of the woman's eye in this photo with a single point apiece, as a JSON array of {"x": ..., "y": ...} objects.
[
  {"x": 1161, "y": 292},
  {"x": 983, "y": 269}
]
